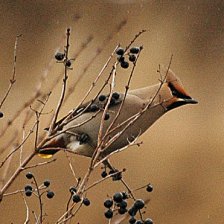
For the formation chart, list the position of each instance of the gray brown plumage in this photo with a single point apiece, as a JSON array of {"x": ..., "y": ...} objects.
[{"x": 80, "y": 134}]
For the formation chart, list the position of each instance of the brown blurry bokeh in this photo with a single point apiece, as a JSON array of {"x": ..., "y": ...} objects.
[{"x": 182, "y": 155}]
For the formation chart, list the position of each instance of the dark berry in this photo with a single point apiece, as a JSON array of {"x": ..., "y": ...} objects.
[
  {"x": 148, "y": 221},
  {"x": 111, "y": 172},
  {"x": 132, "y": 211},
  {"x": 122, "y": 211},
  {"x": 76, "y": 198},
  {"x": 132, "y": 220},
  {"x": 68, "y": 63},
  {"x": 47, "y": 183},
  {"x": 112, "y": 101},
  {"x": 1, "y": 114},
  {"x": 102, "y": 97},
  {"x": 123, "y": 204},
  {"x": 28, "y": 193},
  {"x": 29, "y": 175},
  {"x": 116, "y": 95},
  {"x": 50, "y": 194},
  {"x": 139, "y": 204},
  {"x": 121, "y": 58},
  {"x": 108, "y": 203},
  {"x": 132, "y": 58},
  {"x": 117, "y": 176},
  {"x": 107, "y": 116},
  {"x": 134, "y": 50},
  {"x": 28, "y": 187},
  {"x": 59, "y": 56},
  {"x": 108, "y": 214},
  {"x": 138, "y": 222},
  {"x": 72, "y": 190},
  {"x": 124, "y": 64},
  {"x": 120, "y": 51},
  {"x": 149, "y": 188},
  {"x": 86, "y": 201},
  {"x": 104, "y": 174},
  {"x": 125, "y": 195},
  {"x": 118, "y": 197},
  {"x": 93, "y": 107}
]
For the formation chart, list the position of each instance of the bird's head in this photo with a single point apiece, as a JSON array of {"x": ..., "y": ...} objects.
[{"x": 173, "y": 93}]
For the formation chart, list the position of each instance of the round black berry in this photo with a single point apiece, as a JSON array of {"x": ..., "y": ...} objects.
[
  {"x": 112, "y": 101},
  {"x": 123, "y": 204},
  {"x": 68, "y": 63},
  {"x": 107, "y": 116},
  {"x": 116, "y": 95},
  {"x": 47, "y": 183},
  {"x": 108, "y": 203},
  {"x": 132, "y": 211},
  {"x": 132, "y": 220},
  {"x": 124, "y": 64},
  {"x": 118, "y": 197},
  {"x": 1, "y": 114},
  {"x": 138, "y": 222},
  {"x": 104, "y": 174},
  {"x": 108, "y": 214},
  {"x": 28, "y": 187},
  {"x": 149, "y": 188},
  {"x": 125, "y": 195},
  {"x": 102, "y": 97},
  {"x": 72, "y": 190},
  {"x": 76, "y": 198},
  {"x": 148, "y": 221},
  {"x": 28, "y": 193},
  {"x": 139, "y": 204},
  {"x": 50, "y": 194},
  {"x": 132, "y": 58},
  {"x": 59, "y": 56},
  {"x": 120, "y": 51},
  {"x": 122, "y": 211},
  {"x": 121, "y": 58},
  {"x": 93, "y": 107},
  {"x": 29, "y": 175},
  {"x": 86, "y": 201},
  {"x": 134, "y": 50}
]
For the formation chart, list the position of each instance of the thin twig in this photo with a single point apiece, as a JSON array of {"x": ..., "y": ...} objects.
[
  {"x": 27, "y": 211},
  {"x": 52, "y": 126},
  {"x": 13, "y": 79},
  {"x": 40, "y": 200},
  {"x": 70, "y": 166}
]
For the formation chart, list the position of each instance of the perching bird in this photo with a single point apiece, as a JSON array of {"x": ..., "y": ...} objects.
[{"x": 80, "y": 133}]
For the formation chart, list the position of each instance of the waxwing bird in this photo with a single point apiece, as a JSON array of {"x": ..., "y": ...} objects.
[{"x": 126, "y": 118}]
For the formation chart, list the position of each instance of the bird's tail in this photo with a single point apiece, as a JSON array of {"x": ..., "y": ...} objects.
[{"x": 51, "y": 147}]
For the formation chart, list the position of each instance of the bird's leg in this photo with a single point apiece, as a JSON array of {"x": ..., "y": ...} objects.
[
  {"x": 82, "y": 138},
  {"x": 117, "y": 176}
]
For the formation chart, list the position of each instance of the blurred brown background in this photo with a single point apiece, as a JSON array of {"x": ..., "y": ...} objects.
[{"x": 182, "y": 155}]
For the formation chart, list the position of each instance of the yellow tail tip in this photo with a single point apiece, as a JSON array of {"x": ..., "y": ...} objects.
[{"x": 45, "y": 156}]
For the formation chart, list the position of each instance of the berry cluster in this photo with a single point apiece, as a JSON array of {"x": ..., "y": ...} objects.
[
  {"x": 28, "y": 189},
  {"x": 76, "y": 197},
  {"x": 119, "y": 204},
  {"x": 117, "y": 175},
  {"x": 131, "y": 56},
  {"x": 60, "y": 57}
]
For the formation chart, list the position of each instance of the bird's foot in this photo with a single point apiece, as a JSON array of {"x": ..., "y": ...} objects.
[{"x": 82, "y": 138}]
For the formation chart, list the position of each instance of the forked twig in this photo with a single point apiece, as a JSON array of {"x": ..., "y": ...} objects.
[{"x": 13, "y": 79}]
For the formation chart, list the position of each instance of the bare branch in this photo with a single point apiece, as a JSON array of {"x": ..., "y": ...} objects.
[
  {"x": 52, "y": 126},
  {"x": 12, "y": 80}
]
